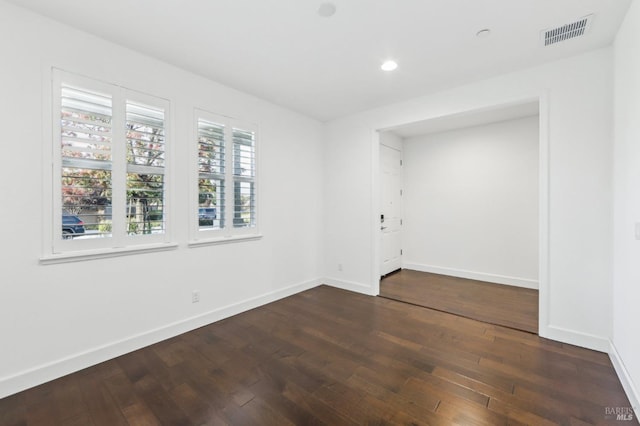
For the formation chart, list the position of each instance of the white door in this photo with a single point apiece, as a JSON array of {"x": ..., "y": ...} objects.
[{"x": 391, "y": 209}]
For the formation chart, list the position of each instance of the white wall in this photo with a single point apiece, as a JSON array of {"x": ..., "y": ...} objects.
[
  {"x": 626, "y": 286},
  {"x": 471, "y": 202},
  {"x": 576, "y": 99},
  {"x": 58, "y": 318}
]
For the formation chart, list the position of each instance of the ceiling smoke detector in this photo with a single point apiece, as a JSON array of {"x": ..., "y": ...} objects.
[{"x": 566, "y": 32}]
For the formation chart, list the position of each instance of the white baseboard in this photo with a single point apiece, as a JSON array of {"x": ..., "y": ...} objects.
[
  {"x": 61, "y": 367},
  {"x": 351, "y": 286},
  {"x": 473, "y": 275},
  {"x": 625, "y": 378},
  {"x": 576, "y": 338}
]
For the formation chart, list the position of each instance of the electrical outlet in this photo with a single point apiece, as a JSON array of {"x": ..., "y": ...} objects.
[
  {"x": 195, "y": 296},
  {"x": 340, "y": 267}
]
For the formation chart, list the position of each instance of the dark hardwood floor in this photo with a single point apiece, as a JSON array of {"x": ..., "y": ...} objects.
[
  {"x": 328, "y": 356},
  {"x": 513, "y": 307}
]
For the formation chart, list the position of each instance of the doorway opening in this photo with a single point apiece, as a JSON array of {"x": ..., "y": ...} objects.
[{"x": 461, "y": 216}]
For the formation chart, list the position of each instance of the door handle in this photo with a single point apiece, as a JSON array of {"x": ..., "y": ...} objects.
[{"x": 382, "y": 228}]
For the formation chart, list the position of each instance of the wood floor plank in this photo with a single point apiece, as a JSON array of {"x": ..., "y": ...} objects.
[
  {"x": 555, "y": 409},
  {"x": 353, "y": 403},
  {"x": 205, "y": 394},
  {"x": 400, "y": 403},
  {"x": 446, "y": 389},
  {"x": 195, "y": 406},
  {"x": 323, "y": 412},
  {"x": 518, "y": 414},
  {"x": 101, "y": 405},
  {"x": 332, "y": 357},
  {"x": 261, "y": 414},
  {"x": 140, "y": 414},
  {"x": 273, "y": 393},
  {"x": 459, "y": 411},
  {"x": 13, "y": 410}
]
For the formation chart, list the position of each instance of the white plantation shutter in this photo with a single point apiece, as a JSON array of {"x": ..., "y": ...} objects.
[
  {"x": 244, "y": 173},
  {"x": 211, "y": 174},
  {"x": 145, "y": 169},
  {"x": 86, "y": 140}
]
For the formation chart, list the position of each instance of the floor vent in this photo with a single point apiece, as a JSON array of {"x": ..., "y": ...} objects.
[{"x": 566, "y": 32}]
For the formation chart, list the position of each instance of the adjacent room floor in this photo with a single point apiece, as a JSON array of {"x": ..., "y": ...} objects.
[
  {"x": 513, "y": 307},
  {"x": 329, "y": 356}
]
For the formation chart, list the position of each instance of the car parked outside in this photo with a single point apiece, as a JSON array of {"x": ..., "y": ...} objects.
[
  {"x": 71, "y": 225},
  {"x": 206, "y": 216}
]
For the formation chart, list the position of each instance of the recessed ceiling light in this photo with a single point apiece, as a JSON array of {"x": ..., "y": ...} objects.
[
  {"x": 483, "y": 33},
  {"x": 327, "y": 9},
  {"x": 389, "y": 65}
]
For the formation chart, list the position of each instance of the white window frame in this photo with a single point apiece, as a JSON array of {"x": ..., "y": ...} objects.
[
  {"x": 229, "y": 233},
  {"x": 58, "y": 249}
]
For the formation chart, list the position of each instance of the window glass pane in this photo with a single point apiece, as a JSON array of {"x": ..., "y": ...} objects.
[
  {"x": 244, "y": 212},
  {"x": 211, "y": 148},
  {"x": 145, "y": 169},
  {"x": 145, "y": 135},
  {"x": 211, "y": 175},
  {"x": 85, "y": 121},
  {"x": 145, "y": 204},
  {"x": 243, "y": 153},
  {"x": 211, "y": 203}
]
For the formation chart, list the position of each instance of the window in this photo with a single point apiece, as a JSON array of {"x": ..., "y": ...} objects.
[
  {"x": 226, "y": 187},
  {"x": 109, "y": 157}
]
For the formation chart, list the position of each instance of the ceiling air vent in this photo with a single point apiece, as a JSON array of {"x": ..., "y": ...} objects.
[{"x": 565, "y": 32}]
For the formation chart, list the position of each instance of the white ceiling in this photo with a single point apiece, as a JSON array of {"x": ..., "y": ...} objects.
[{"x": 284, "y": 52}]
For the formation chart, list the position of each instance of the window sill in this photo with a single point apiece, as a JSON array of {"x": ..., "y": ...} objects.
[
  {"x": 84, "y": 255},
  {"x": 224, "y": 240}
]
